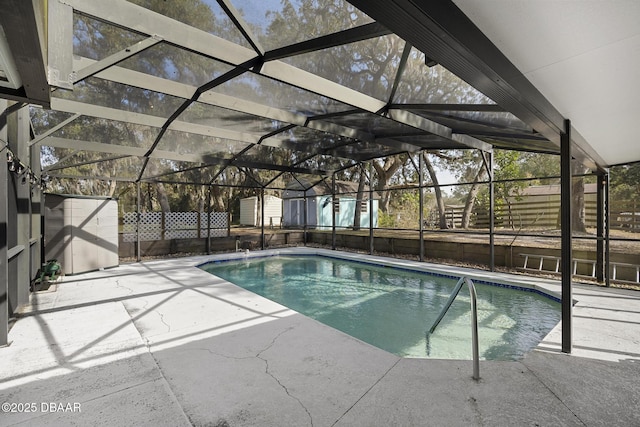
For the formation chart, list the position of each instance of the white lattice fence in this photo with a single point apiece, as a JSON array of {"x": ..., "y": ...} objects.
[
  {"x": 150, "y": 226},
  {"x": 219, "y": 224},
  {"x": 181, "y": 225},
  {"x": 173, "y": 225}
]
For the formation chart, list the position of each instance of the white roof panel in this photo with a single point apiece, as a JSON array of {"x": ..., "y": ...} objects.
[{"x": 582, "y": 55}]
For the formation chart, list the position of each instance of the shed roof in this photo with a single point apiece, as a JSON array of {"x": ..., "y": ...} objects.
[{"x": 342, "y": 189}]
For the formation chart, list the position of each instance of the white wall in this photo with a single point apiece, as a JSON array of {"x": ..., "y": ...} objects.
[
  {"x": 250, "y": 211},
  {"x": 81, "y": 233}
]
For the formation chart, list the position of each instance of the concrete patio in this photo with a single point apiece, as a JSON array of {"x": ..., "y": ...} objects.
[{"x": 164, "y": 343}]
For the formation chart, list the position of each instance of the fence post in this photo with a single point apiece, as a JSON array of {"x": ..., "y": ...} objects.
[
  {"x": 198, "y": 224},
  {"x": 162, "y": 226}
]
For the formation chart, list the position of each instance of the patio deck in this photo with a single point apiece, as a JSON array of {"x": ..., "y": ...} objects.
[{"x": 165, "y": 343}]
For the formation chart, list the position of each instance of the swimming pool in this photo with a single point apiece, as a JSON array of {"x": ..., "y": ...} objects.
[{"x": 392, "y": 308}]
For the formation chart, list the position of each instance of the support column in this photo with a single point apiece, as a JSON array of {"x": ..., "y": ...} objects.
[
  {"x": 18, "y": 136},
  {"x": 333, "y": 212},
  {"x": 600, "y": 225},
  {"x": 208, "y": 245},
  {"x": 421, "y": 204},
  {"x": 492, "y": 202},
  {"x": 262, "y": 217},
  {"x": 37, "y": 214},
  {"x": 370, "y": 208},
  {"x": 607, "y": 229},
  {"x": 566, "y": 199},
  {"x": 305, "y": 213},
  {"x": 4, "y": 241},
  {"x": 138, "y": 193}
]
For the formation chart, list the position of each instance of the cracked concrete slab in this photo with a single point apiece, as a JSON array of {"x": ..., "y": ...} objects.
[
  {"x": 180, "y": 316},
  {"x": 606, "y": 325},
  {"x": 69, "y": 340},
  {"x": 89, "y": 357},
  {"x": 592, "y": 389},
  {"x": 290, "y": 371},
  {"x": 443, "y": 393}
]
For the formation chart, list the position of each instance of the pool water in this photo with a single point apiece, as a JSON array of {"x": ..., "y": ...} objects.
[{"x": 393, "y": 309}]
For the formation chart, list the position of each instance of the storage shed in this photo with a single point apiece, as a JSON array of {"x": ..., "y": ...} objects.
[
  {"x": 250, "y": 211},
  {"x": 81, "y": 232},
  {"x": 320, "y": 204}
]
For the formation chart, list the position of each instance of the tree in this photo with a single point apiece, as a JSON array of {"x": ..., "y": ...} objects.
[
  {"x": 469, "y": 167},
  {"x": 510, "y": 168},
  {"x": 625, "y": 183},
  {"x": 625, "y": 194},
  {"x": 96, "y": 40},
  {"x": 507, "y": 165},
  {"x": 442, "y": 220},
  {"x": 385, "y": 169},
  {"x": 369, "y": 66},
  {"x": 471, "y": 197}
]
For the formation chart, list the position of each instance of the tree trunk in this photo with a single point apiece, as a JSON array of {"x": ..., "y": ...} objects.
[
  {"x": 149, "y": 199},
  {"x": 216, "y": 199},
  {"x": 578, "y": 204},
  {"x": 113, "y": 183},
  {"x": 163, "y": 200},
  {"x": 442, "y": 223},
  {"x": 471, "y": 199},
  {"x": 385, "y": 196},
  {"x": 259, "y": 210},
  {"x": 577, "y": 189},
  {"x": 201, "y": 204},
  {"x": 384, "y": 173},
  {"x": 510, "y": 222},
  {"x": 202, "y": 198}
]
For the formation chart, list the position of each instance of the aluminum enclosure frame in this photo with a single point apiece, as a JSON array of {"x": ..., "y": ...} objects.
[{"x": 382, "y": 126}]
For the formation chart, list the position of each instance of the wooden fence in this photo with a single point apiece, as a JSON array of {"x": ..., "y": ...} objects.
[{"x": 540, "y": 214}]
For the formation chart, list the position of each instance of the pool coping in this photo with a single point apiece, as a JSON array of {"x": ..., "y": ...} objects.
[
  {"x": 428, "y": 269},
  {"x": 541, "y": 286}
]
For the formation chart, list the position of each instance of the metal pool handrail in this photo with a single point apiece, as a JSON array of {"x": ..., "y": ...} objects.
[{"x": 474, "y": 320}]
